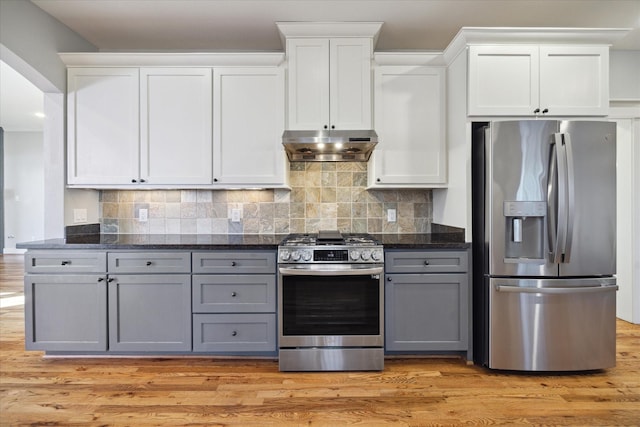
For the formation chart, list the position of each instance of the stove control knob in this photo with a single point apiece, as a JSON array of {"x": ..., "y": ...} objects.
[
  {"x": 295, "y": 256},
  {"x": 306, "y": 256},
  {"x": 285, "y": 255},
  {"x": 355, "y": 255},
  {"x": 376, "y": 255},
  {"x": 366, "y": 255}
]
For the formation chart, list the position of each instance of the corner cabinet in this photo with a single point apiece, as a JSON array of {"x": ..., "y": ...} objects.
[
  {"x": 538, "y": 80},
  {"x": 102, "y": 126},
  {"x": 410, "y": 119},
  {"x": 427, "y": 301},
  {"x": 329, "y": 83}
]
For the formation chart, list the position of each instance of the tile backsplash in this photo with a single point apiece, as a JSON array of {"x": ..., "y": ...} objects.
[{"x": 322, "y": 196}]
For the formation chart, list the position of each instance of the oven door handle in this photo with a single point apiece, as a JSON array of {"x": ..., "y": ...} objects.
[{"x": 333, "y": 272}]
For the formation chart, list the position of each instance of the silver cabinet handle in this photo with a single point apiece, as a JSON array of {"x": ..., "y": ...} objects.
[
  {"x": 234, "y": 333},
  {"x": 233, "y": 294}
]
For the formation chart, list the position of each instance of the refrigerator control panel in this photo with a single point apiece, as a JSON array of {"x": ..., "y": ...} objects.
[{"x": 524, "y": 209}]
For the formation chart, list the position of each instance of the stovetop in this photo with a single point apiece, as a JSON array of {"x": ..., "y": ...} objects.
[
  {"x": 330, "y": 247},
  {"x": 320, "y": 239}
]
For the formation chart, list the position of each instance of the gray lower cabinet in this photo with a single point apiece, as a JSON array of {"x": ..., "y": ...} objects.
[
  {"x": 234, "y": 311},
  {"x": 65, "y": 300},
  {"x": 65, "y": 312},
  {"x": 427, "y": 301},
  {"x": 150, "y": 312}
]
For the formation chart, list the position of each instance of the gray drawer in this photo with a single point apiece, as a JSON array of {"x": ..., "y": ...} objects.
[
  {"x": 65, "y": 262},
  {"x": 222, "y": 293},
  {"x": 149, "y": 262},
  {"x": 425, "y": 261},
  {"x": 235, "y": 262},
  {"x": 234, "y": 332}
]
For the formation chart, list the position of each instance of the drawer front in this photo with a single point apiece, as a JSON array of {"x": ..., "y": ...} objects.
[
  {"x": 234, "y": 262},
  {"x": 234, "y": 332},
  {"x": 222, "y": 293},
  {"x": 65, "y": 262},
  {"x": 426, "y": 261},
  {"x": 149, "y": 262}
]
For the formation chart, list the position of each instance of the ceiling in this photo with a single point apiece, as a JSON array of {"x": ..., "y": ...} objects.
[{"x": 250, "y": 24}]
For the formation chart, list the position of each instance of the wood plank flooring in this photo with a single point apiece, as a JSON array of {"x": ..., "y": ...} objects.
[{"x": 213, "y": 392}]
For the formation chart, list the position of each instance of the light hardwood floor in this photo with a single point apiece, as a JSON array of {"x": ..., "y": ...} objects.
[{"x": 213, "y": 392}]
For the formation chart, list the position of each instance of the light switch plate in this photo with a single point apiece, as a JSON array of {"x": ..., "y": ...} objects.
[
  {"x": 391, "y": 215},
  {"x": 236, "y": 214},
  {"x": 143, "y": 215},
  {"x": 79, "y": 216}
]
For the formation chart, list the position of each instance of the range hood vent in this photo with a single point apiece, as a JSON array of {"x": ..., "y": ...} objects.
[{"x": 329, "y": 145}]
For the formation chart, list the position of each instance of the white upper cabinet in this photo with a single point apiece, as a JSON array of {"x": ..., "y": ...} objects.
[
  {"x": 329, "y": 83},
  {"x": 544, "y": 80},
  {"x": 102, "y": 126},
  {"x": 410, "y": 121},
  {"x": 175, "y": 126},
  {"x": 248, "y": 125}
]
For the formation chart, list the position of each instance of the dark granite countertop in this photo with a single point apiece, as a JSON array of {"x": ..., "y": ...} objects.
[{"x": 441, "y": 237}]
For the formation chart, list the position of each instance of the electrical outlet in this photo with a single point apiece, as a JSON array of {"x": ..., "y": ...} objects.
[
  {"x": 79, "y": 216},
  {"x": 391, "y": 215},
  {"x": 143, "y": 215},
  {"x": 236, "y": 214}
]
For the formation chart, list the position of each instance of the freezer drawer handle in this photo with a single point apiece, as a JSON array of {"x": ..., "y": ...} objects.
[{"x": 556, "y": 291}]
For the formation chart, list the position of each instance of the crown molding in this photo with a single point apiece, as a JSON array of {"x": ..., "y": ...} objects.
[
  {"x": 329, "y": 29},
  {"x": 531, "y": 35},
  {"x": 169, "y": 59}
]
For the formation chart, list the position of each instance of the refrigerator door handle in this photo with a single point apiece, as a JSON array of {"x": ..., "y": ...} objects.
[
  {"x": 557, "y": 197},
  {"x": 570, "y": 200},
  {"x": 556, "y": 291}
]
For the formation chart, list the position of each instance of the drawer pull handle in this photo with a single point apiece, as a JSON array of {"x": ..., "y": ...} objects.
[
  {"x": 233, "y": 294},
  {"x": 233, "y": 263},
  {"x": 149, "y": 263},
  {"x": 234, "y": 333},
  {"x": 111, "y": 279},
  {"x": 388, "y": 279},
  {"x": 100, "y": 279},
  {"x": 426, "y": 262},
  {"x": 66, "y": 262}
]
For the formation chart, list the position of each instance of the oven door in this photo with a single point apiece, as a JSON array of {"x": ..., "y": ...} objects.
[{"x": 325, "y": 305}]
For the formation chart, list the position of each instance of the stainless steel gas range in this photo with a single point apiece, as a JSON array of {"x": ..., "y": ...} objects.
[{"x": 331, "y": 302}]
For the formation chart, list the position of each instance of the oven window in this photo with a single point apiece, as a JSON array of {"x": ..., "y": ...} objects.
[{"x": 334, "y": 305}]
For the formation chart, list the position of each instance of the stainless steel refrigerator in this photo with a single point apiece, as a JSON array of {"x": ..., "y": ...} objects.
[{"x": 544, "y": 239}]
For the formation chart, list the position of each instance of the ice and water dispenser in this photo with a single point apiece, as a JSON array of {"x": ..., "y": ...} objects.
[{"x": 524, "y": 230}]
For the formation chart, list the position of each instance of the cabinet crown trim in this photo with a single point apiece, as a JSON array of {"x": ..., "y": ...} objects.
[
  {"x": 536, "y": 35},
  {"x": 328, "y": 29},
  {"x": 178, "y": 59}
]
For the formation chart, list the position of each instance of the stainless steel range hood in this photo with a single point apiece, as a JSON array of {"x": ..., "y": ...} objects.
[{"x": 329, "y": 145}]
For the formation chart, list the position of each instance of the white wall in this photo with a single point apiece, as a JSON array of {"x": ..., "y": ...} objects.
[
  {"x": 30, "y": 40},
  {"x": 624, "y": 75},
  {"x": 23, "y": 188}
]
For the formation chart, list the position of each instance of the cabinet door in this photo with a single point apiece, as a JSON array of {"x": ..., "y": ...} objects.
[
  {"x": 503, "y": 80},
  {"x": 350, "y": 83},
  {"x": 102, "y": 128},
  {"x": 574, "y": 80},
  {"x": 410, "y": 121},
  {"x": 175, "y": 131},
  {"x": 150, "y": 312},
  {"x": 65, "y": 312},
  {"x": 248, "y": 126},
  {"x": 308, "y": 61},
  {"x": 426, "y": 312}
]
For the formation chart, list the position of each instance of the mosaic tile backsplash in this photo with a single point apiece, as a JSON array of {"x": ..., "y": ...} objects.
[{"x": 322, "y": 196}]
